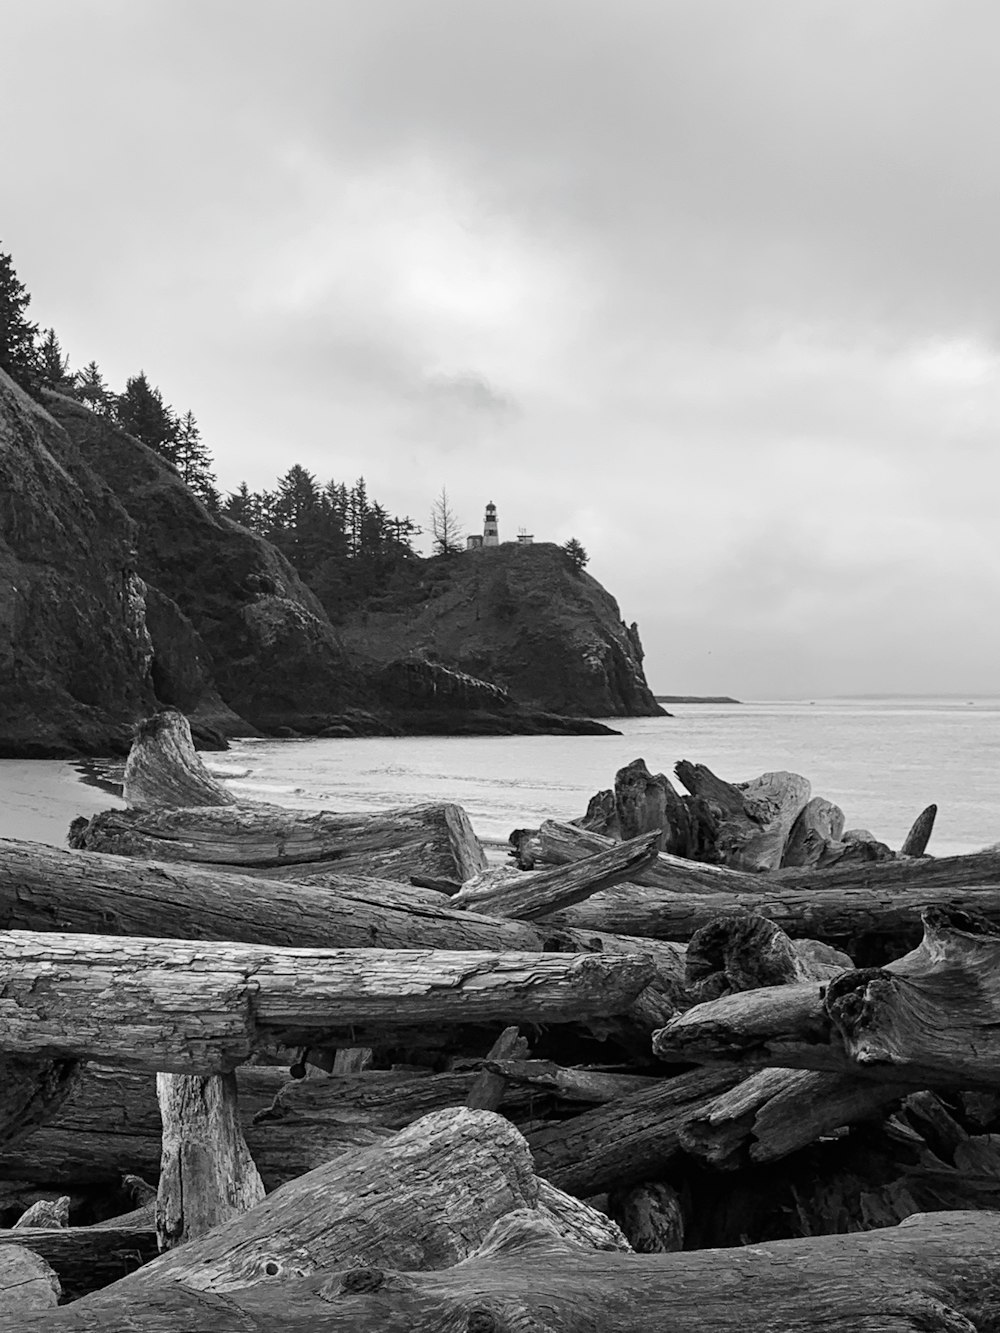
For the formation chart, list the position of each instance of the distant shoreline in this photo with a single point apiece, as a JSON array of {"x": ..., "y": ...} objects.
[{"x": 695, "y": 699}]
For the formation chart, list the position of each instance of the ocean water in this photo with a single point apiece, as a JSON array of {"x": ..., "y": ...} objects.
[{"x": 881, "y": 760}]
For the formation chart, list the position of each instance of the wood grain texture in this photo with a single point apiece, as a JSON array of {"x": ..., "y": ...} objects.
[
  {"x": 435, "y": 840},
  {"x": 931, "y": 1274},
  {"x": 182, "y": 1007}
]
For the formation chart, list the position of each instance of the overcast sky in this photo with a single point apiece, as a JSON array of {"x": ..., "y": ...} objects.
[{"x": 713, "y": 286}]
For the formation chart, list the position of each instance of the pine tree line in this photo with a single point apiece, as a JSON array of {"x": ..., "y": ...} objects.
[
  {"x": 35, "y": 359},
  {"x": 345, "y": 545}
]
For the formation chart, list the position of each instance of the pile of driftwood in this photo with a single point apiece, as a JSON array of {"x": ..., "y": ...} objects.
[{"x": 709, "y": 1063}]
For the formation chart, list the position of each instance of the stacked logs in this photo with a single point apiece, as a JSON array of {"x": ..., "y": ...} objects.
[{"x": 354, "y": 1079}]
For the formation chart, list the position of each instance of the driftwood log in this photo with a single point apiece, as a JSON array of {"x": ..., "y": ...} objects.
[
  {"x": 434, "y": 840},
  {"x": 929, "y": 1019},
  {"x": 181, "y": 1007},
  {"x": 531, "y": 896},
  {"x": 164, "y": 770},
  {"x": 932, "y": 1274},
  {"x": 422, "y": 1199},
  {"x": 753, "y": 819},
  {"x": 626, "y": 1141},
  {"x": 207, "y": 1175},
  {"x": 819, "y": 823}
]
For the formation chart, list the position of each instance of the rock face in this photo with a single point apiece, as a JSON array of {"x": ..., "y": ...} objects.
[
  {"x": 253, "y": 625},
  {"x": 75, "y": 654},
  {"x": 120, "y": 592},
  {"x": 523, "y": 618}
]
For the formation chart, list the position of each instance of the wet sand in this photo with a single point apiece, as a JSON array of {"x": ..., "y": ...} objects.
[{"x": 39, "y": 798}]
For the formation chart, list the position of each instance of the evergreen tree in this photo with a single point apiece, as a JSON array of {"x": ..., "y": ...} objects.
[
  {"x": 575, "y": 553},
  {"x": 142, "y": 412},
  {"x": 17, "y": 334},
  {"x": 92, "y": 390},
  {"x": 53, "y": 365},
  {"x": 194, "y": 463}
]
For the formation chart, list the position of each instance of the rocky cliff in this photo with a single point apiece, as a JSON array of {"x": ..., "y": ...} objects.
[
  {"x": 521, "y": 617},
  {"x": 234, "y": 600},
  {"x": 120, "y": 592},
  {"x": 75, "y": 653}
]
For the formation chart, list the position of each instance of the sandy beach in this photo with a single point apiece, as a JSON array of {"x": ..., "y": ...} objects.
[{"x": 40, "y": 797}]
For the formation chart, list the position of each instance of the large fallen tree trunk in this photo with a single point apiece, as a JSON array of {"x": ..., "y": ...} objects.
[
  {"x": 179, "y": 1007},
  {"x": 43, "y": 888},
  {"x": 929, "y": 1019},
  {"x": 555, "y": 843},
  {"x": 431, "y": 840},
  {"x": 424, "y": 1197},
  {"x": 866, "y": 923},
  {"x": 931, "y": 1274}
]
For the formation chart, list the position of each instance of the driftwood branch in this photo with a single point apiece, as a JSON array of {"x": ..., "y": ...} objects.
[{"x": 531, "y": 896}]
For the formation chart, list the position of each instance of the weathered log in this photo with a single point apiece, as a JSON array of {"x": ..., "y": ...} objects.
[
  {"x": 531, "y": 896},
  {"x": 290, "y": 1125},
  {"x": 432, "y": 840},
  {"x": 27, "y": 1283},
  {"x": 576, "y": 1221},
  {"x": 647, "y": 802},
  {"x": 164, "y": 770},
  {"x": 86, "y": 1258},
  {"x": 754, "y": 818},
  {"x": 425, "y": 1197},
  {"x": 865, "y": 920},
  {"x": 626, "y": 1141},
  {"x": 775, "y": 1112},
  {"x": 737, "y": 953},
  {"x": 558, "y": 843},
  {"x": 650, "y": 1215},
  {"x": 179, "y": 1007},
  {"x": 929, "y": 1019},
  {"x": 931, "y": 1274},
  {"x": 932, "y": 1016},
  {"x": 207, "y": 1175},
  {"x": 555, "y": 843},
  {"x": 43, "y": 888},
  {"x": 593, "y": 1086},
  {"x": 819, "y": 822},
  {"x": 915, "y": 842}
]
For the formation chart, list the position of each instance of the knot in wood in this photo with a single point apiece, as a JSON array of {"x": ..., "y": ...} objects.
[
  {"x": 481, "y": 1321},
  {"x": 359, "y": 1280}
]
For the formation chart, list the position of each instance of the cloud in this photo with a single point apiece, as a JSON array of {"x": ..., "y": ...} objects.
[{"x": 710, "y": 287}]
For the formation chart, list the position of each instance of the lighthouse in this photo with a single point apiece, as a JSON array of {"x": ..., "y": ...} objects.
[{"x": 491, "y": 533}]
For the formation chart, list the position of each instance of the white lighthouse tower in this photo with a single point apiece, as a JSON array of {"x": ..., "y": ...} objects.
[{"x": 491, "y": 533}]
